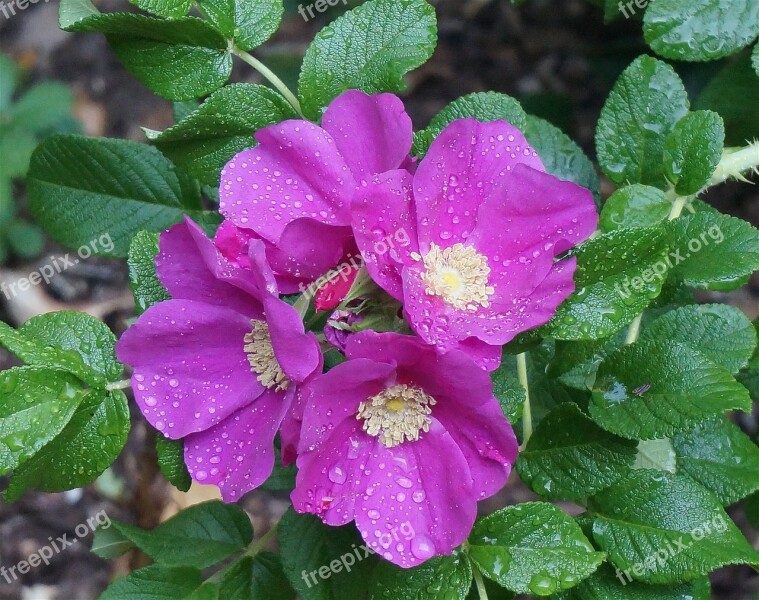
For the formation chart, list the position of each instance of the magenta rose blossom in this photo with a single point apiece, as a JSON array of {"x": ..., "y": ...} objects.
[
  {"x": 485, "y": 225},
  {"x": 404, "y": 441},
  {"x": 219, "y": 363},
  {"x": 294, "y": 189}
]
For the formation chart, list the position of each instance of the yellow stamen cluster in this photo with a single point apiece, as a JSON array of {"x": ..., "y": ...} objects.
[
  {"x": 397, "y": 414},
  {"x": 459, "y": 275},
  {"x": 261, "y": 357}
]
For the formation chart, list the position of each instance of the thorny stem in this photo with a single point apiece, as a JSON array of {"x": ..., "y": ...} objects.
[
  {"x": 483, "y": 593},
  {"x": 527, "y": 413},
  {"x": 269, "y": 75},
  {"x": 735, "y": 163}
]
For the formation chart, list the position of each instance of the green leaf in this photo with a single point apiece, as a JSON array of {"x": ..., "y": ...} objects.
[
  {"x": 663, "y": 528},
  {"x": 617, "y": 277},
  {"x": 656, "y": 454},
  {"x": 532, "y": 548},
  {"x": 171, "y": 462},
  {"x": 721, "y": 333},
  {"x": 693, "y": 150},
  {"x": 720, "y": 457},
  {"x": 259, "y": 579},
  {"x": 146, "y": 288},
  {"x": 560, "y": 155},
  {"x": 16, "y": 147},
  {"x": 36, "y": 404},
  {"x": 700, "y": 29},
  {"x": 249, "y": 24},
  {"x": 206, "y": 139},
  {"x": 9, "y": 73},
  {"x": 199, "y": 536},
  {"x": 76, "y": 332},
  {"x": 83, "y": 188},
  {"x": 25, "y": 239},
  {"x": 634, "y": 206},
  {"x": 171, "y": 9},
  {"x": 178, "y": 59},
  {"x": 440, "y": 578},
  {"x": 546, "y": 393},
  {"x": 653, "y": 389},
  {"x": 509, "y": 392},
  {"x": 369, "y": 48},
  {"x": 605, "y": 584},
  {"x": 42, "y": 107},
  {"x": 32, "y": 354},
  {"x": 90, "y": 443},
  {"x": 645, "y": 104},
  {"x": 483, "y": 106},
  {"x": 570, "y": 458},
  {"x": 307, "y": 545},
  {"x": 574, "y": 364},
  {"x": 734, "y": 94},
  {"x": 156, "y": 583},
  {"x": 73, "y": 11},
  {"x": 109, "y": 543},
  {"x": 713, "y": 251}
]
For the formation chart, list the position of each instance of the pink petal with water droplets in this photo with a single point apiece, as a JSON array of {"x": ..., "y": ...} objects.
[
  {"x": 384, "y": 223},
  {"x": 373, "y": 133},
  {"x": 190, "y": 369},
  {"x": 190, "y": 267},
  {"x": 465, "y": 165},
  {"x": 334, "y": 397},
  {"x": 237, "y": 455},
  {"x": 486, "y": 439},
  {"x": 330, "y": 478},
  {"x": 534, "y": 213},
  {"x": 295, "y": 171},
  {"x": 297, "y": 352},
  {"x": 417, "y": 499},
  {"x": 308, "y": 249}
]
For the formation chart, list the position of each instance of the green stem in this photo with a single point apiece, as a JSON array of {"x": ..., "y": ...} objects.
[
  {"x": 118, "y": 385},
  {"x": 251, "y": 552},
  {"x": 483, "y": 593},
  {"x": 527, "y": 413},
  {"x": 270, "y": 76},
  {"x": 259, "y": 545},
  {"x": 678, "y": 205},
  {"x": 634, "y": 331},
  {"x": 735, "y": 163}
]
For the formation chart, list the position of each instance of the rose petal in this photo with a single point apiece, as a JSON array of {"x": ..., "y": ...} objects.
[
  {"x": 237, "y": 455},
  {"x": 190, "y": 369},
  {"x": 373, "y": 133}
]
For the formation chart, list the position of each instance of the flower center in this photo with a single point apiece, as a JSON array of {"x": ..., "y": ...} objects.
[
  {"x": 397, "y": 414},
  {"x": 261, "y": 357},
  {"x": 459, "y": 275}
]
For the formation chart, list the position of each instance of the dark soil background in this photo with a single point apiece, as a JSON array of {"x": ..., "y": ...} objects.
[{"x": 557, "y": 56}]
